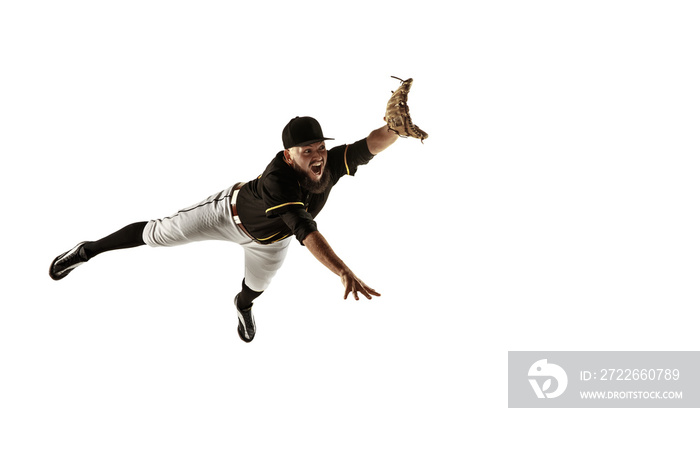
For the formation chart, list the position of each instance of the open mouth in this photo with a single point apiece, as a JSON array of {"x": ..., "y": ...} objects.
[{"x": 316, "y": 168}]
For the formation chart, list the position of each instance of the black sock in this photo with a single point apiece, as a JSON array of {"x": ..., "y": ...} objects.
[
  {"x": 246, "y": 296},
  {"x": 128, "y": 237}
]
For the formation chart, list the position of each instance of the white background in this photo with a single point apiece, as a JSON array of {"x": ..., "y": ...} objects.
[{"x": 554, "y": 207}]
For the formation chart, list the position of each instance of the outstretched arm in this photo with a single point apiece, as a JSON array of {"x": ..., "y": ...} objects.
[
  {"x": 380, "y": 139},
  {"x": 319, "y": 247}
]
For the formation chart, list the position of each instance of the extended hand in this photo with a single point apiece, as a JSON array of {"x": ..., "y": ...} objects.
[
  {"x": 319, "y": 247},
  {"x": 354, "y": 285}
]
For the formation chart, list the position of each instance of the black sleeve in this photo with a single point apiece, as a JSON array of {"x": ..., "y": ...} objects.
[
  {"x": 300, "y": 222},
  {"x": 344, "y": 160},
  {"x": 358, "y": 154}
]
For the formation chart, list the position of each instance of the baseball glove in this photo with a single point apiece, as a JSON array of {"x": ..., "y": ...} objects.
[{"x": 397, "y": 115}]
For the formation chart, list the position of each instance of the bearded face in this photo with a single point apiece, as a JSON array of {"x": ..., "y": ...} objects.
[
  {"x": 311, "y": 183},
  {"x": 309, "y": 163}
]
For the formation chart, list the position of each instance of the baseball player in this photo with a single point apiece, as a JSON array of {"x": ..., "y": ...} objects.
[{"x": 264, "y": 215}]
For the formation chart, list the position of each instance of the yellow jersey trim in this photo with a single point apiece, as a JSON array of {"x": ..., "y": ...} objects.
[
  {"x": 280, "y": 239},
  {"x": 282, "y": 205},
  {"x": 346, "y": 159},
  {"x": 272, "y": 236}
]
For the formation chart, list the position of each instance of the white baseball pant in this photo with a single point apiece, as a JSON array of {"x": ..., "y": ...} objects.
[{"x": 212, "y": 219}]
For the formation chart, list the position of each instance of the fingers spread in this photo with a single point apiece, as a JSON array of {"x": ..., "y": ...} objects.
[
  {"x": 354, "y": 285},
  {"x": 367, "y": 292}
]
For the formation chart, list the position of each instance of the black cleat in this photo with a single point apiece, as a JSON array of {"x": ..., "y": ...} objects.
[
  {"x": 246, "y": 322},
  {"x": 66, "y": 262}
]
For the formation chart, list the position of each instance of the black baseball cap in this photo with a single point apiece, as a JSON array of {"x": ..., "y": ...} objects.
[{"x": 302, "y": 131}]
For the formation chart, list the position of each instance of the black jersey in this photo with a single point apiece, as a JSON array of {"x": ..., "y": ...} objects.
[{"x": 275, "y": 206}]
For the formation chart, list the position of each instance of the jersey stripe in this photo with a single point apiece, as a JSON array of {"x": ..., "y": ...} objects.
[
  {"x": 346, "y": 159},
  {"x": 282, "y": 205},
  {"x": 272, "y": 236}
]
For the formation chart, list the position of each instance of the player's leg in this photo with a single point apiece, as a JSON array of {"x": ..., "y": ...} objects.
[
  {"x": 210, "y": 219},
  {"x": 130, "y": 236},
  {"x": 207, "y": 220},
  {"x": 261, "y": 264},
  {"x": 245, "y": 298}
]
